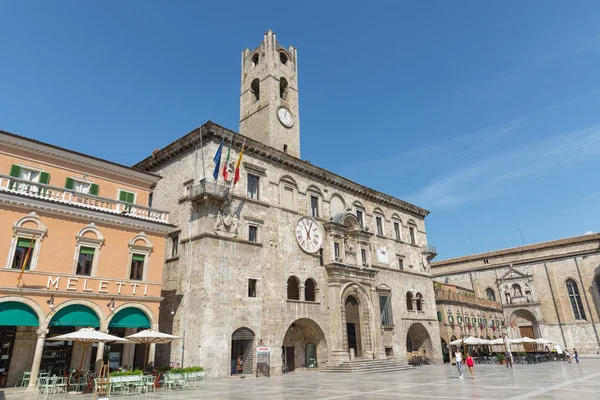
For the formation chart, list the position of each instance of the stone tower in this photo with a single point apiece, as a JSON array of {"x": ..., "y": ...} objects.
[{"x": 269, "y": 96}]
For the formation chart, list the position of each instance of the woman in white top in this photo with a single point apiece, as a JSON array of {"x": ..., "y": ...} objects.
[{"x": 458, "y": 357}]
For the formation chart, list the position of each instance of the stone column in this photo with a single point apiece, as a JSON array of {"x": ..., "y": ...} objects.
[
  {"x": 302, "y": 290},
  {"x": 336, "y": 327},
  {"x": 377, "y": 328},
  {"x": 37, "y": 357}
]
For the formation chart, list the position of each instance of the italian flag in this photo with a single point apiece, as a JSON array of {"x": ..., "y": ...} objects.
[
  {"x": 236, "y": 177},
  {"x": 226, "y": 165}
]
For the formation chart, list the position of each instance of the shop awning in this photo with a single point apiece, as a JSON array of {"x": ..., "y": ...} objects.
[
  {"x": 75, "y": 315},
  {"x": 130, "y": 317},
  {"x": 13, "y": 313}
]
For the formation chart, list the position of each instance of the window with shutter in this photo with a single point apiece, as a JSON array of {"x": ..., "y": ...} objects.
[
  {"x": 126, "y": 197},
  {"x": 94, "y": 189},
  {"x": 70, "y": 183},
  {"x": 15, "y": 171},
  {"x": 45, "y": 178}
]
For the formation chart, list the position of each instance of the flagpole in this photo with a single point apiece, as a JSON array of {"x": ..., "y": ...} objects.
[{"x": 202, "y": 152}]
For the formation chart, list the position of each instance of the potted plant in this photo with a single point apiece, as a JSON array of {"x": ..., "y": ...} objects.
[{"x": 500, "y": 358}]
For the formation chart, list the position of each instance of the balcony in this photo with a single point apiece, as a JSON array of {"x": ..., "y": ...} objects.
[
  {"x": 209, "y": 190},
  {"x": 442, "y": 295},
  {"x": 34, "y": 190},
  {"x": 430, "y": 252}
]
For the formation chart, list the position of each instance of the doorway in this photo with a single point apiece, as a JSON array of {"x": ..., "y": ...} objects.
[
  {"x": 242, "y": 351},
  {"x": 353, "y": 326},
  {"x": 527, "y": 331},
  {"x": 290, "y": 360}
]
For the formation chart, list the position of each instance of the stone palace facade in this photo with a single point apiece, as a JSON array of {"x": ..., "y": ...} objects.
[
  {"x": 292, "y": 257},
  {"x": 549, "y": 290}
]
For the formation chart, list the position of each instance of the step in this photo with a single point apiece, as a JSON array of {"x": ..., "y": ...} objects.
[{"x": 365, "y": 366}]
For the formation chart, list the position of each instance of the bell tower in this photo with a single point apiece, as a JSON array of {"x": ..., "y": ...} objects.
[{"x": 269, "y": 95}]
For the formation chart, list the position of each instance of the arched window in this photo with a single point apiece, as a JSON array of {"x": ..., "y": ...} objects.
[
  {"x": 255, "y": 59},
  {"x": 516, "y": 288},
  {"x": 255, "y": 88},
  {"x": 575, "y": 298},
  {"x": 409, "y": 301},
  {"x": 293, "y": 290},
  {"x": 283, "y": 88},
  {"x": 419, "y": 301},
  {"x": 311, "y": 355},
  {"x": 283, "y": 57},
  {"x": 310, "y": 290},
  {"x": 489, "y": 293}
]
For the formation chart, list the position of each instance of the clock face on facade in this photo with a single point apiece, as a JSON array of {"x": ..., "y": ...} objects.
[
  {"x": 308, "y": 235},
  {"x": 285, "y": 117}
]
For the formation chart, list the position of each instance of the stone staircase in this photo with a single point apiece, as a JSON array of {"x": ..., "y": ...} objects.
[{"x": 367, "y": 366}]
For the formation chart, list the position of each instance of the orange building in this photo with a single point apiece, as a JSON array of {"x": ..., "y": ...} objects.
[{"x": 92, "y": 251}]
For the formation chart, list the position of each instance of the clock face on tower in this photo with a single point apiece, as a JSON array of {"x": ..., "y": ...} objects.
[
  {"x": 285, "y": 117},
  {"x": 308, "y": 235}
]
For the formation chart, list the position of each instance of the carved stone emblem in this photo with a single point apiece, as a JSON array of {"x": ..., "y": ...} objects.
[{"x": 227, "y": 221}]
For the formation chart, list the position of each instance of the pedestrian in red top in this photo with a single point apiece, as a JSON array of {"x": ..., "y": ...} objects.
[{"x": 470, "y": 364}]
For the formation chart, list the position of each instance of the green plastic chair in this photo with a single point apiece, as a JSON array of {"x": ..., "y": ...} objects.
[{"x": 24, "y": 379}]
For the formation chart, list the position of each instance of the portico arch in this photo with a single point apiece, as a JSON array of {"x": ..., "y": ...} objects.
[
  {"x": 304, "y": 345},
  {"x": 526, "y": 323},
  {"x": 356, "y": 316},
  {"x": 418, "y": 341}
]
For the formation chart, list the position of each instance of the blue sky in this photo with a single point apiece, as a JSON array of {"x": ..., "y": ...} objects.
[{"x": 485, "y": 114}]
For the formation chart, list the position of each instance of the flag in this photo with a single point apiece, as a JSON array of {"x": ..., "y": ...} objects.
[
  {"x": 217, "y": 161},
  {"x": 236, "y": 176},
  {"x": 226, "y": 165},
  {"x": 491, "y": 323},
  {"x": 25, "y": 262},
  {"x": 512, "y": 325}
]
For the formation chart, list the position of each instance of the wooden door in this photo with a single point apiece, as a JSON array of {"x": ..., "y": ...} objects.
[
  {"x": 527, "y": 331},
  {"x": 289, "y": 358}
]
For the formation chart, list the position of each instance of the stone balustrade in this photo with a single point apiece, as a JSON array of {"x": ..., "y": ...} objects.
[
  {"x": 55, "y": 194},
  {"x": 441, "y": 295}
]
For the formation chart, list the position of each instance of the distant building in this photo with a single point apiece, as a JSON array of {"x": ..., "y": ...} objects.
[
  {"x": 293, "y": 257},
  {"x": 549, "y": 290},
  {"x": 92, "y": 253},
  {"x": 461, "y": 313}
]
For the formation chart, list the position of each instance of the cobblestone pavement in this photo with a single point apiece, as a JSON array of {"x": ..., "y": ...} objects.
[{"x": 556, "y": 380}]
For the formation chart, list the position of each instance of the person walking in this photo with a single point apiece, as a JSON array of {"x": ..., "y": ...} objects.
[
  {"x": 568, "y": 354},
  {"x": 470, "y": 364},
  {"x": 508, "y": 358},
  {"x": 576, "y": 355},
  {"x": 458, "y": 357}
]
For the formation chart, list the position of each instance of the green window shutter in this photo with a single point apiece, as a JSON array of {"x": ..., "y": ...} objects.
[
  {"x": 131, "y": 198},
  {"x": 15, "y": 171},
  {"x": 87, "y": 250},
  {"x": 138, "y": 257},
  {"x": 44, "y": 178},
  {"x": 24, "y": 243},
  {"x": 94, "y": 189},
  {"x": 439, "y": 314},
  {"x": 123, "y": 196},
  {"x": 70, "y": 184}
]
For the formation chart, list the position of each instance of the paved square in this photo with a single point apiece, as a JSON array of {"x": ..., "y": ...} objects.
[{"x": 556, "y": 380}]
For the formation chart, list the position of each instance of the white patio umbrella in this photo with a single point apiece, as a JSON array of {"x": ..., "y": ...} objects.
[
  {"x": 471, "y": 341},
  {"x": 87, "y": 336},
  {"x": 543, "y": 341},
  {"x": 526, "y": 339},
  {"x": 149, "y": 336}
]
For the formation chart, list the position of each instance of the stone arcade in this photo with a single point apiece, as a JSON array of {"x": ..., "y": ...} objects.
[{"x": 292, "y": 257}]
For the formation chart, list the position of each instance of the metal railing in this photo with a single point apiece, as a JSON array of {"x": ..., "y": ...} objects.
[
  {"x": 461, "y": 298},
  {"x": 66, "y": 196},
  {"x": 429, "y": 249}
]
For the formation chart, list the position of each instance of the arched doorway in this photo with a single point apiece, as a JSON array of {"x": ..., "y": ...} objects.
[
  {"x": 242, "y": 351},
  {"x": 59, "y": 356},
  {"x": 125, "y": 322},
  {"x": 418, "y": 342},
  {"x": 526, "y": 325},
  {"x": 17, "y": 321},
  {"x": 304, "y": 345},
  {"x": 353, "y": 326}
]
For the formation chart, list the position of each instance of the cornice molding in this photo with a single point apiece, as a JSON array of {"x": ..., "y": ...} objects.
[
  {"x": 37, "y": 147},
  {"x": 83, "y": 214},
  {"x": 210, "y": 130}
]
